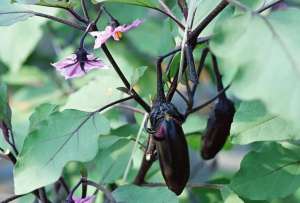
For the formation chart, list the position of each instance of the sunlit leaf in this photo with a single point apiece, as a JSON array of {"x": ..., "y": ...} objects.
[
  {"x": 63, "y": 137},
  {"x": 272, "y": 172}
]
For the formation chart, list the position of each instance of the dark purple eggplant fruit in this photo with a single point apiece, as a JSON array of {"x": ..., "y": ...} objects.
[
  {"x": 171, "y": 146},
  {"x": 218, "y": 128}
]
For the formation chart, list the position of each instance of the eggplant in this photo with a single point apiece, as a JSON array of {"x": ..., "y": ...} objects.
[
  {"x": 218, "y": 128},
  {"x": 171, "y": 146}
]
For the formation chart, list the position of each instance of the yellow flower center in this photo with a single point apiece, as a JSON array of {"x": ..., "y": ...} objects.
[{"x": 118, "y": 35}]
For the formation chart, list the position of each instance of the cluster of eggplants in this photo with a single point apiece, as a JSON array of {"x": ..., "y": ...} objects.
[
  {"x": 218, "y": 127},
  {"x": 171, "y": 145}
]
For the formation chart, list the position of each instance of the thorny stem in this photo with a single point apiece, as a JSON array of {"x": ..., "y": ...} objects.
[
  {"x": 66, "y": 22},
  {"x": 124, "y": 80}
]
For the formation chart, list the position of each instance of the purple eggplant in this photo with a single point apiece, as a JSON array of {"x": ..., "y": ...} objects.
[{"x": 218, "y": 128}]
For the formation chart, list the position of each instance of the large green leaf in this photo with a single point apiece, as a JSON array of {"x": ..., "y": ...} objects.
[
  {"x": 63, "y": 137},
  {"x": 96, "y": 93},
  {"x": 266, "y": 50},
  {"x": 135, "y": 194},
  {"x": 9, "y": 19},
  {"x": 144, "y": 3},
  {"x": 50, "y": 3},
  {"x": 16, "y": 46},
  {"x": 272, "y": 172},
  {"x": 110, "y": 163},
  {"x": 253, "y": 123}
]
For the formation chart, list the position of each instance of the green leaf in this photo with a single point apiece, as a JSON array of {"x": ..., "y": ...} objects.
[
  {"x": 194, "y": 124},
  {"x": 253, "y": 123},
  {"x": 144, "y": 3},
  {"x": 137, "y": 74},
  {"x": 16, "y": 46},
  {"x": 272, "y": 74},
  {"x": 229, "y": 196},
  {"x": 63, "y": 137},
  {"x": 115, "y": 158},
  {"x": 135, "y": 194},
  {"x": 50, "y": 3},
  {"x": 40, "y": 114},
  {"x": 9, "y": 19},
  {"x": 272, "y": 172},
  {"x": 96, "y": 93}
]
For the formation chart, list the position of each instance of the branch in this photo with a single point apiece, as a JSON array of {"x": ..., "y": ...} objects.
[
  {"x": 105, "y": 191},
  {"x": 12, "y": 198},
  {"x": 270, "y": 5},
  {"x": 196, "y": 32},
  {"x": 124, "y": 80},
  {"x": 189, "y": 185},
  {"x": 84, "y": 9},
  {"x": 65, "y": 22},
  {"x": 169, "y": 13},
  {"x": 207, "y": 102}
]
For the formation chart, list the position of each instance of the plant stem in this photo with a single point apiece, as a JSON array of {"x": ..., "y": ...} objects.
[
  {"x": 270, "y": 5},
  {"x": 105, "y": 191},
  {"x": 84, "y": 9},
  {"x": 203, "y": 24},
  {"x": 167, "y": 11},
  {"x": 77, "y": 16},
  {"x": 189, "y": 185},
  {"x": 12, "y": 198},
  {"x": 124, "y": 80},
  {"x": 66, "y": 22}
]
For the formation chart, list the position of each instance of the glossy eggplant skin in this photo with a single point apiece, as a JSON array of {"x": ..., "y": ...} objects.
[
  {"x": 218, "y": 128},
  {"x": 171, "y": 147}
]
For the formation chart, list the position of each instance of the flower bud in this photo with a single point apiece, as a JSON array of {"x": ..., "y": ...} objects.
[
  {"x": 171, "y": 147},
  {"x": 218, "y": 128}
]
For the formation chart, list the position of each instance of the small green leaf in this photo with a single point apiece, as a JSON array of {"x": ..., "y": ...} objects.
[
  {"x": 63, "y": 137},
  {"x": 137, "y": 74},
  {"x": 135, "y": 194},
  {"x": 272, "y": 172}
]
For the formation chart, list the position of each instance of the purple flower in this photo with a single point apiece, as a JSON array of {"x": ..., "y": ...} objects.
[
  {"x": 114, "y": 30},
  {"x": 78, "y": 64},
  {"x": 88, "y": 199}
]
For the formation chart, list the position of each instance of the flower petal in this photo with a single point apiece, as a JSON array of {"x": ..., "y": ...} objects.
[
  {"x": 102, "y": 37},
  {"x": 125, "y": 28},
  {"x": 88, "y": 199},
  {"x": 68, "y": 61}
]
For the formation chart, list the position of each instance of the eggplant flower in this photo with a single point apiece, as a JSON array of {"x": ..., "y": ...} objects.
[
  {"x": 89, "y": 199},
  {"x": 78, "y": 64},
  {"x": 114, "y": 30}
]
